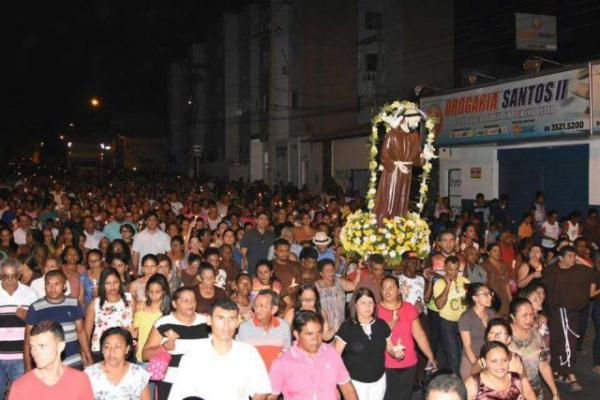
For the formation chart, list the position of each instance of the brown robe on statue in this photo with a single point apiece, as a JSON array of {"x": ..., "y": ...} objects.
[{"x": 393, "y": 192}]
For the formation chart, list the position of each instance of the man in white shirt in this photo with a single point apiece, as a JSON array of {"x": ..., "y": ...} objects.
[
  {"x": 220, "y": 367},
  {"x": 23, "y": 225},
  {"x": 149, "y": 241},
  {"x": 92, "y": 235},
  {"x": 15, "y": 299},
  {"x": 176, "y": 205},
  {"x": 213, "y": 219},
  {"x": 57, "y": 195},
  {"x": 223, "y": 206},
  {"x": 412, "y": 286}
]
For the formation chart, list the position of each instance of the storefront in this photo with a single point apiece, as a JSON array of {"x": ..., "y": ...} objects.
[{"x": 520, "y": 136}]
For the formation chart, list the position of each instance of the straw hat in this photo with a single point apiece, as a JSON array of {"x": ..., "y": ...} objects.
[{"x": 322, "y": 239}]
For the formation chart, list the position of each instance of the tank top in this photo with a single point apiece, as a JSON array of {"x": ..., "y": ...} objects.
[
  {"x": 551, "y": 234},
  {"x": 144, "y": 321},
  {"x": 572, "y": 231},
  {"x": 532, "y": 269},
  {"x": 512, "y": 393}
]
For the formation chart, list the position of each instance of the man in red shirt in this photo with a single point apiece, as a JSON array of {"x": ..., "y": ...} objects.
[{"x": 51, "y": 379}]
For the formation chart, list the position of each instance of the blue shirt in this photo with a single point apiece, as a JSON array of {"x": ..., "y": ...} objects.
[
  {"x": 112, "y": 230},
  {"x": 328, "y": 253}
]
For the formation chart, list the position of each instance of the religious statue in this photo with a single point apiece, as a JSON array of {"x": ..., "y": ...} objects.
[{"x": 401, "y": 150}]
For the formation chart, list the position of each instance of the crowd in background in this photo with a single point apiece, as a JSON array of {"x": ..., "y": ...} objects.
[{"x": 165, "y": 288}]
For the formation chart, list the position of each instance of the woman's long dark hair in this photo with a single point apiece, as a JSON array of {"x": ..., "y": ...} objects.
[
  {"x": 304, "y": 288},
  {"x": 106, "y": 272},
  {"x": 12, "y": 245},
  {"x": 63, "y": 254},
  {"x": 165, "y": 304},
  {"x": 110, "y": 253}
]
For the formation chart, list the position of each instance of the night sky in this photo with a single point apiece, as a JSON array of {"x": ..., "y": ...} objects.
[
  {"x": 59, "y": 54},
  {"x": 64, "y": 52}
]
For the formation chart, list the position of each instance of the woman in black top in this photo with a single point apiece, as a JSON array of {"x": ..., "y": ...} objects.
[
  {"x": 531, "y": 271},
  {"x": 362, "y": 340},
  {"x": 176, "y": 333}
]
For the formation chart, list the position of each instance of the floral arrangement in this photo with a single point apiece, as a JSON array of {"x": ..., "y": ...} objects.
[{"x": 361, "y": 234}]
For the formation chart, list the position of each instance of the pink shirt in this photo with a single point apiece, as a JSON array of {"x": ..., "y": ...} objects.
[
  {"x": 300, "y": 377},
  {"x": 403, "y": 330},
  {"x": 72, "y": 385}
]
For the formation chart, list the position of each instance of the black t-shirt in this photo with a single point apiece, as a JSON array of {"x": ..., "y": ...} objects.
[
  {"x": 568, "y": 288},
  {"x": 364, "y": 355}
]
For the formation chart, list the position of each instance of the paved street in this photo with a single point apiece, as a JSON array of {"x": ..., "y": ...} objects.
[{"x": 588, "y": 379}]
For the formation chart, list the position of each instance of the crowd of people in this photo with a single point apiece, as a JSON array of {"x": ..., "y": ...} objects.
[{"x": 125, "y": 288}]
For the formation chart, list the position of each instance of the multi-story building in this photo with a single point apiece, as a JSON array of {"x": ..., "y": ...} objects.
[{"x": 284, "y": 90}]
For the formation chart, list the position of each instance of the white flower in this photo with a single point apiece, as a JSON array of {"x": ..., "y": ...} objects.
[
  {"x": 420, "y": 206},
  {"x": 395, "y": 119},
  {"x": 429, "y": 152},
  {"x": 373, "y": 238},
  {"x": 393, "y": 254}
]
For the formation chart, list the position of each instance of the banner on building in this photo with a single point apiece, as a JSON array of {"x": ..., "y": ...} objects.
[
  {"x": 535, "y": 32},
  {"x": 543, "y": 106},
  {"x": 595, "y": 101}
]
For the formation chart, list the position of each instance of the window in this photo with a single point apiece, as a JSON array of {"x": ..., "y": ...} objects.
[
  {"x": 371, "y": 62},
  {"x": 373, "y": 21}
]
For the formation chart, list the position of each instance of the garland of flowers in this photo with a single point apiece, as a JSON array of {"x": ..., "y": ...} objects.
[{"x": 361, "y": 234}]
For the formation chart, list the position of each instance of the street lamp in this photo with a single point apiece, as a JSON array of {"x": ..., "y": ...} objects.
[
  {"x": 95, "y": 102},
  {"x": 70, "y": 144}
]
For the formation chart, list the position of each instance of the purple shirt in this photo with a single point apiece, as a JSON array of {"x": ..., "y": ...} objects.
[{"x": 300, "y": 377}]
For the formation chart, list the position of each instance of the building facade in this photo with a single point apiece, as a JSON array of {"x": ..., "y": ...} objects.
[{"x": 290, "y": 86}]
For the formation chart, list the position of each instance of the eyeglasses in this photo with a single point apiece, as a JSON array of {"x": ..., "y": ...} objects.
[{"x": 486, "y": 294}]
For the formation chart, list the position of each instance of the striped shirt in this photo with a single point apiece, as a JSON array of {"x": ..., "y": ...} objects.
[
  {"x": 67, "y": 313},
  {"x": 269, "y": 343},
  {"x": 12, "y": 328},
  {"x": 189, "y": 336}
]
